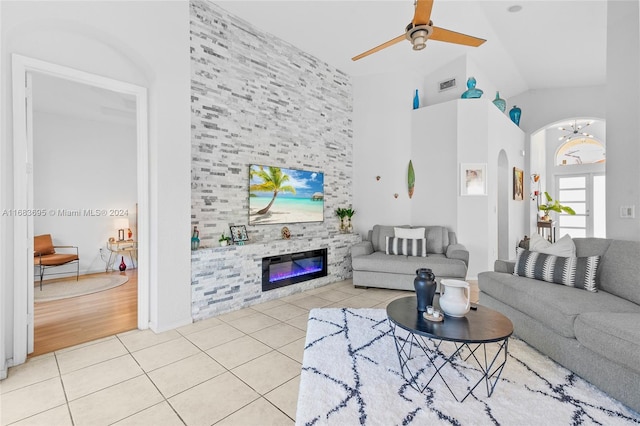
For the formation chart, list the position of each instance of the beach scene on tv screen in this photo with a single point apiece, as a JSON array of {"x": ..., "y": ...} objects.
[{"x": 279, "y": 195}]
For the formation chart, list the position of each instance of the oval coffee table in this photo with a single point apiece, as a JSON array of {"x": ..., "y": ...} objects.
[{"x": 423, "y": 343}]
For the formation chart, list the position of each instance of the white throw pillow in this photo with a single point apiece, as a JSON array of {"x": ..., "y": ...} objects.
[
  {"x": 564, "y": 247},
  {"x": 537, "y": 243},
  {"x": 410, "y": 233}
]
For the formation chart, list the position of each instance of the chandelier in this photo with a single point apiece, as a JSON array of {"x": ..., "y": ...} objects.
[{"x": 575, "y": 130}]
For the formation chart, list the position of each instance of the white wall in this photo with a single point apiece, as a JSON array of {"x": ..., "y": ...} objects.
[
  {"x": 145, "y": 43},
  {"x": 82, "y": 164},
  {"x": 382, "y": 109},
  {"x": 434, "y": 154},
  {"x": 466, "y": 131},
  {"x": 623, "y": 112},
  {"x": 544, "y": 106}
]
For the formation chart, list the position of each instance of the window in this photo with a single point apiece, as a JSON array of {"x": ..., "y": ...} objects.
[{"x": 580, "y": 151}]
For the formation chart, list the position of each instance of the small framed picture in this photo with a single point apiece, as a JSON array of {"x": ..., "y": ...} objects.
[
  {"x": 518, "y": 184},
  {"x": 473, "y": 179},
  {"x": 238, "y": 233}
]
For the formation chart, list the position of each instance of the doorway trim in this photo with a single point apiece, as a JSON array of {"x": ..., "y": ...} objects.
[{"x": 22, "y": 66}]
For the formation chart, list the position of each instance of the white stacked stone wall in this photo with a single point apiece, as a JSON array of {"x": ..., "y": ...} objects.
[{"x": 259, "y": 100}]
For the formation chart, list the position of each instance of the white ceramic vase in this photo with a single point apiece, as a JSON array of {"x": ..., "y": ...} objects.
[{"x": 455, "y": 297}]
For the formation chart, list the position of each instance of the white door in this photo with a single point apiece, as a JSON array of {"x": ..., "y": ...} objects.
[{"x": 584, "y": 193}]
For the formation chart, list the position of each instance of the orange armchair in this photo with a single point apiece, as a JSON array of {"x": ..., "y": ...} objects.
[{"x": 45, "y": 256}]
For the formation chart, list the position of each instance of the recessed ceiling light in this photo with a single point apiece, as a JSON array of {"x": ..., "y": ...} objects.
[{"x": 515, "y": 8}]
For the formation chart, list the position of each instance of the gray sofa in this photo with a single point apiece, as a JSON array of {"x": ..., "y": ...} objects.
[
  {"x": 595, "y": 335},
  {"x": 372, "y": 267}
]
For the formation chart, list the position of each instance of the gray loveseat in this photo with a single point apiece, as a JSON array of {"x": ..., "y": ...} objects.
[
  {"x": 595, "y": 335},
  {"x": 372, "y": 267}
]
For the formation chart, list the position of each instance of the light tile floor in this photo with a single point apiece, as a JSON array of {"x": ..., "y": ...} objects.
[{"x": 240, "y": 368}]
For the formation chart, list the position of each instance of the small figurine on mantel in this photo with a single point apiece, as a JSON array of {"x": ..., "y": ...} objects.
[{"x": 471, "y": 91}]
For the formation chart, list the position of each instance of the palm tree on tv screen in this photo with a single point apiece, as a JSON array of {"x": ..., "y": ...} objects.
[{"x": 272, "y": 180}]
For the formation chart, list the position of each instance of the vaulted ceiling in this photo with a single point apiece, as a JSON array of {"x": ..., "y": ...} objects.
[{"x": 546, "y": 44}]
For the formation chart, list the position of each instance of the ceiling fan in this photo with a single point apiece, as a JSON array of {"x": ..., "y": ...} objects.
[
  {"x": 575, "y": 130},
  {"x": 421, "y": 28}
]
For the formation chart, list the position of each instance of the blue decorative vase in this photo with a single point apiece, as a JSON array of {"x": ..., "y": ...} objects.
[
  {"x": 425, "y": 286},
  {"x": 514, "y": 114},
  {"x": 500, "y": 103},
  {"x": 416, "y": 100},
  {"x": 471, "y": 91},
  {"x": 195, "y": 239}
]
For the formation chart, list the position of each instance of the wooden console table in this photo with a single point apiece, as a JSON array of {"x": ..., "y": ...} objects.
[{"x": 548, "y": 229}]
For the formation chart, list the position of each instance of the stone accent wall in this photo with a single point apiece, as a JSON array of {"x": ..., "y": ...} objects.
[
  {"x": 259, "y": 100},
  {"x": 229, "y": 278}
]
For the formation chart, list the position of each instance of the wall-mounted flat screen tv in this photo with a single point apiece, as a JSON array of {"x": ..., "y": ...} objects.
[{"x": 279, "y": 195}]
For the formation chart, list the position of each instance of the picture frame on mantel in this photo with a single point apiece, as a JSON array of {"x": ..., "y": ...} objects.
[
  {"x": 239, "y": 233},
  {"x": 473, "y": 179},
  {"x": 518, "y": 184}
]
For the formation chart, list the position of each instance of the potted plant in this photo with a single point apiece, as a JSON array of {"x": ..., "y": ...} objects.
[
  {"x": 349, "y": 213},
  {"x": 340, "y": 212},
  {"x": 224, "y": 240},
  {"x": 555, "y": 206}
]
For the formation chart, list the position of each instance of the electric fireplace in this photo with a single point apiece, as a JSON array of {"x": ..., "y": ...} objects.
[{"x": 287, "y": 269}]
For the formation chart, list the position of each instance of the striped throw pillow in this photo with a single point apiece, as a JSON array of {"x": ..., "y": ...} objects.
[
  {"x": 577, "y": 272},
  {"x": 406, "y": 246}
]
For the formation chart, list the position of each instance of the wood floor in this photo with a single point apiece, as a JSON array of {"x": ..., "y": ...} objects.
[{"x": 62, "y": 323}]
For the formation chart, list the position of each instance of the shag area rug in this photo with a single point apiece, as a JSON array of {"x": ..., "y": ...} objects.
[
  {"x": 72, "y": 288},
  {"x": 351, "y": 375}
]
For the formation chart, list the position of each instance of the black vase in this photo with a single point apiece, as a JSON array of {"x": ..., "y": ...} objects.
[
  {"x": 425, "y": 285},
  {"x": 123, "y": 265}
]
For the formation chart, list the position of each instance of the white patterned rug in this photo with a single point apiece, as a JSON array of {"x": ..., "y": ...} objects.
[{"x": 351, "y": 375}]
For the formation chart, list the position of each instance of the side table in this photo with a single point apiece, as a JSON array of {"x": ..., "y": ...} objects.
[
  {"x": 548, "y": 228},
  {"x": 117, "y": 248}
]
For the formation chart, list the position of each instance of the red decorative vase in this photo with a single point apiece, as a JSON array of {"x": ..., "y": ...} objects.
[{"x": 123, "y": 265}]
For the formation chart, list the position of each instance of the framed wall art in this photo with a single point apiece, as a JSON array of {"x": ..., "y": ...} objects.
[
  {"x": 518, "y": 184},
  {"x": 239, "y": 233},
  {"x": 473, "y": 179}
]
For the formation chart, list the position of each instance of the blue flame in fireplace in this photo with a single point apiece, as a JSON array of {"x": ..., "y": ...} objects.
[{"x": 283, "y": 271}]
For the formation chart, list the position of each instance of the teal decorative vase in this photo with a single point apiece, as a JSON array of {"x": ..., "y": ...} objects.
[
  {"x": 195, "y": 239},
  {"x": 514, "y": 114},
  {"x": 471, "y": 91},
  {"x": 500, "y": 103},
  {"x": 416, "y": 100}
]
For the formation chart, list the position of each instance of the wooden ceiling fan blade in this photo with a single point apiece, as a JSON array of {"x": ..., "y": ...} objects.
[
  {"x": 422, "y": 15},
  {"x": 449, "y": 36},
  {"x": 377, "y": 48}
]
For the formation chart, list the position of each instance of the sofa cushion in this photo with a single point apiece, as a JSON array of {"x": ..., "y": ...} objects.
[
  {"x": 555, "y": 306},
  {"x": 620, "y": 270},
  {"x": 436, "y": 242},
  {"x": 406, "y": 246},
  {"x": 380, "y": 234},
  {"x": 407, "y": 265},
  {"x": 43, "y": 245},
  {"x": 615, "y": 336},
  {"x": 577, "y": 272},
  {"x": 412, "y": 233}
]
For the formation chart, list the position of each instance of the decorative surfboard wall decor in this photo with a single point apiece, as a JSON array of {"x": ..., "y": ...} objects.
[{"x": 411, "y": 179}]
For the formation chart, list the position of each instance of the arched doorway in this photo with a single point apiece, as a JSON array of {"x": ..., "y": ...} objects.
[{"x": 570, "y": 157}]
